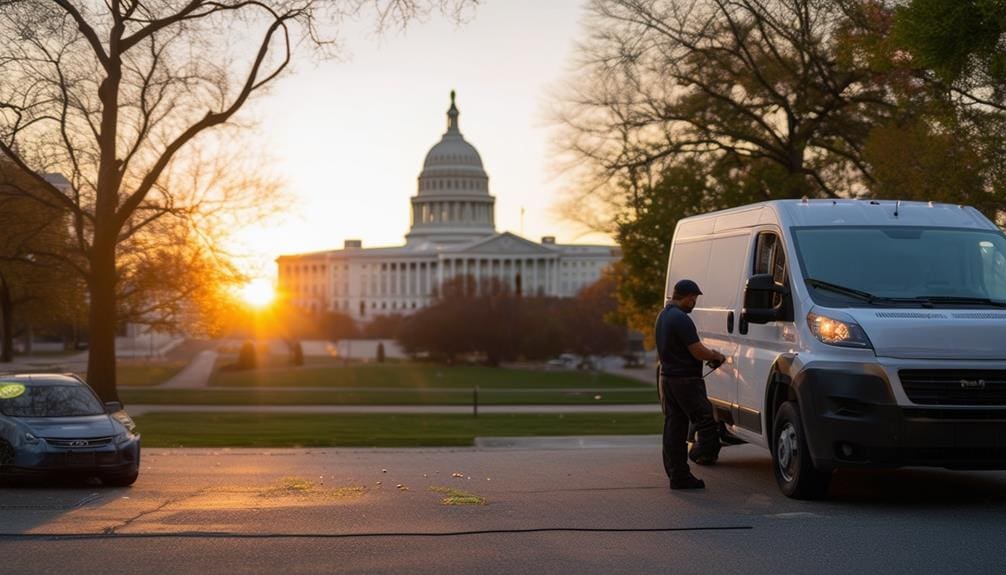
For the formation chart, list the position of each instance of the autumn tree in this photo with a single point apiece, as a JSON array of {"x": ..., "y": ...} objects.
[
  {"x": 757, "y": 85},
  {"x": 497, "y": 325},
  {"x": 960, "y": 43},
  {"x": 681, "y": 107},
  {"x": 590, "y": 321},
  {"x": 114, "y": 94}
]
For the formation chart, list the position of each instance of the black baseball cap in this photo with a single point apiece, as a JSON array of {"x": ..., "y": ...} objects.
[{"x": 687, "y": 287}]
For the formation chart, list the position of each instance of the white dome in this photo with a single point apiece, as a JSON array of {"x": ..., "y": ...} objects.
[
  {"x": 452, "y": 204},
  {"x": 453, "y": 152},
  {"x": 453, "y": 166}
]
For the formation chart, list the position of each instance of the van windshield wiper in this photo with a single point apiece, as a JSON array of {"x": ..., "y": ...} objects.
[
  {"x": 864, "y": 295},
  {"x": 951, "y": 299},
  {"x": 858, "y": 294}
]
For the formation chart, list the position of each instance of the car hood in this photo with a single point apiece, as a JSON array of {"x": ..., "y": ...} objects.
[
  {"x": 80, "y": 427},
  {"x": 935, "y": 333}
]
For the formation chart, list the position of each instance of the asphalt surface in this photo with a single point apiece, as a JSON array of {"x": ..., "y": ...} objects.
[{"x": 598, "y": 506}]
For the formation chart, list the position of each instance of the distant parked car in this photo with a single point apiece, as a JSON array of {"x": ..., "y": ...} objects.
[
  {"x": 564, "y": 361},
  {"x": 55, "y": 425}
]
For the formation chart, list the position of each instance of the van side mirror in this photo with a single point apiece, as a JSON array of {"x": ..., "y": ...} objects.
[
  {"x": 759, "y": 304},
  {"x": 113, "y": 406}
]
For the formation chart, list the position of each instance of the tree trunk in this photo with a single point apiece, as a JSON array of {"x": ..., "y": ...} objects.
[
  {"x": 7, "y": 311},
  {"x": 103, "y": 318}
]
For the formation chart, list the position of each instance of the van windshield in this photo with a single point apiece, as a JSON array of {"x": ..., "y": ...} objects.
[{"x": 931, "y": 266}]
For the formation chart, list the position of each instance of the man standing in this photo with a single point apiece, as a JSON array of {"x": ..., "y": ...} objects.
[{"x": 683, "y": 389}]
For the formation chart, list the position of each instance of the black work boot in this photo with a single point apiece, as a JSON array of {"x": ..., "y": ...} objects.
[
  {"x": 690, "y": 482},
  {"x": 700, "y": 458}
]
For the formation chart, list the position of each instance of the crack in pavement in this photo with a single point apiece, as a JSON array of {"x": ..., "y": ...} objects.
[{"x": 113, "y": 529}]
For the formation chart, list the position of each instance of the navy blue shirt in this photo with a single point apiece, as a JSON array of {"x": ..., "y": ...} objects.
[{"x": 675, "y": 331}]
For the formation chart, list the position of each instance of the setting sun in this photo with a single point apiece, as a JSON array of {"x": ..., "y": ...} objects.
[{"x": 258, "y": 293}]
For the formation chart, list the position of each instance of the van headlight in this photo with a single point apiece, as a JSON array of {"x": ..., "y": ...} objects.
[{"x": 838, "y": 329}]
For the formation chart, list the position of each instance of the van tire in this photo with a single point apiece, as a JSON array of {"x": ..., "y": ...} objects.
[{"x": 791, "y": 462}]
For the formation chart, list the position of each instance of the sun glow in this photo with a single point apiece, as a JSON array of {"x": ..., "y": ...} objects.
[{"x": 258, "y": 293}]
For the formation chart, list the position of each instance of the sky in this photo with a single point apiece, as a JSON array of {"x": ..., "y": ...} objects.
[{"x": 348, "y": 136}]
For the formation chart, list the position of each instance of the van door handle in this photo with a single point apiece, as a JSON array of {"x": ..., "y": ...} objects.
[
  {"x": 730, "y": 322},
  {"x": 743, "y": 326}
]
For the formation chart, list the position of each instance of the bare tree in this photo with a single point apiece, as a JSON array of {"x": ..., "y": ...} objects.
[
  {"x": 111, "y": 93},
  {"x": 735, "y": 82}
]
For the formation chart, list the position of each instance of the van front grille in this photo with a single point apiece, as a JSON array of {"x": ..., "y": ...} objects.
[{"x": 954, "y": 387}]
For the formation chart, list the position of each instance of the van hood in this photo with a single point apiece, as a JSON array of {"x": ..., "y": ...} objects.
[{"x": 935, "y": 333}]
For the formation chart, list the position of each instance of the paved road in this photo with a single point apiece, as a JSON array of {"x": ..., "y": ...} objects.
[{"x": 548, "y": 510}]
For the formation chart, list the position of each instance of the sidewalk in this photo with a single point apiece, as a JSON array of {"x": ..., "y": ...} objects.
[
  {"x": 195, "y": 375},
  {"x": 137, "y": 410}
]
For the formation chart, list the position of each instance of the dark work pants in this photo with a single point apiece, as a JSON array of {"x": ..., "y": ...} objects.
[{"x": 687, "y": 401}]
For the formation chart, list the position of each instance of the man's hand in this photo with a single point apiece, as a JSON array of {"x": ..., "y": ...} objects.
[{"x": 703, "y": 353}]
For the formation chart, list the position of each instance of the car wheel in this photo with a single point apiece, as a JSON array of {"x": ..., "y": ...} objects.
[{"x": 791, "y": 462}]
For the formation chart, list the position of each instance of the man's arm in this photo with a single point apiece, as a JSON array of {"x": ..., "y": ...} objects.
[{"x": 703, "y": 353}]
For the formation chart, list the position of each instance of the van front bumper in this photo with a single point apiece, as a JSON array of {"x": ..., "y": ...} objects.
[{"x": 851, "y": 419}]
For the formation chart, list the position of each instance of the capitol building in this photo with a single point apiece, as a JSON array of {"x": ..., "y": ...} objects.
[{"x": 453, "y": 234}]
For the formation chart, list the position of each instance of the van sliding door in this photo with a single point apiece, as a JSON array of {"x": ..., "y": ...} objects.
[{"x": 718, "y": 309}]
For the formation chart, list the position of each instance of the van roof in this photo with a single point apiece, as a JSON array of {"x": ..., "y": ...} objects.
[{"x": 836, "y": 213}]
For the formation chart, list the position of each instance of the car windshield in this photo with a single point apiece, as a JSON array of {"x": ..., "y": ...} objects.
[
  {"x": 928, "y": 266},
  {"x": 34, "y": 400}
]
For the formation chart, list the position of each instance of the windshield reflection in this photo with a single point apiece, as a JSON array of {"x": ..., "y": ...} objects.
[
  {"x": 935, "y": 264},
  {"x": 52, "y": 401}
]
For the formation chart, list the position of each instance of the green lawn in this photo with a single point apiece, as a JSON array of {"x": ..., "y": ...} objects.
[
  {"x": 419, "y": 376},
  {"x": 141, "y": 373},
  {"x": 366, "y": 430}
]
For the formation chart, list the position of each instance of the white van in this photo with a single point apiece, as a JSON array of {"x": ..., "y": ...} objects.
[{"x": 858, "y": 333}]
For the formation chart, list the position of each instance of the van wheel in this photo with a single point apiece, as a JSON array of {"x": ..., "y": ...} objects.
[{"x": 794, "y": 470}]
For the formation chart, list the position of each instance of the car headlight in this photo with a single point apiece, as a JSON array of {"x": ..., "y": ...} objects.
[
  {"x": 123, "y": 437},
  {"x": 30, "y": 437},
  {"x": 838, "y": 329}
]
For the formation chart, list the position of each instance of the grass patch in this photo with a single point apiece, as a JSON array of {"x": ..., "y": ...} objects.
[
  {"x": 417, "y": 376},
  {"x": 299, "y": 487},
  {"x": 146, "y": 373},
  {"x": 607, "y": 396},
  {"x": 375, "y": 430},
  {"x": 457, "y": 497}
]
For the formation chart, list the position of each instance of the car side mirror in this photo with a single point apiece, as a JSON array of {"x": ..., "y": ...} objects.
[
  {"x": 759, "y": 293},
  {"x": 113, "y": 406}
]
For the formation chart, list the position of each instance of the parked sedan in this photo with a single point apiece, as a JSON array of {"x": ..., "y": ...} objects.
[{"x": 55, "y": 425}]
